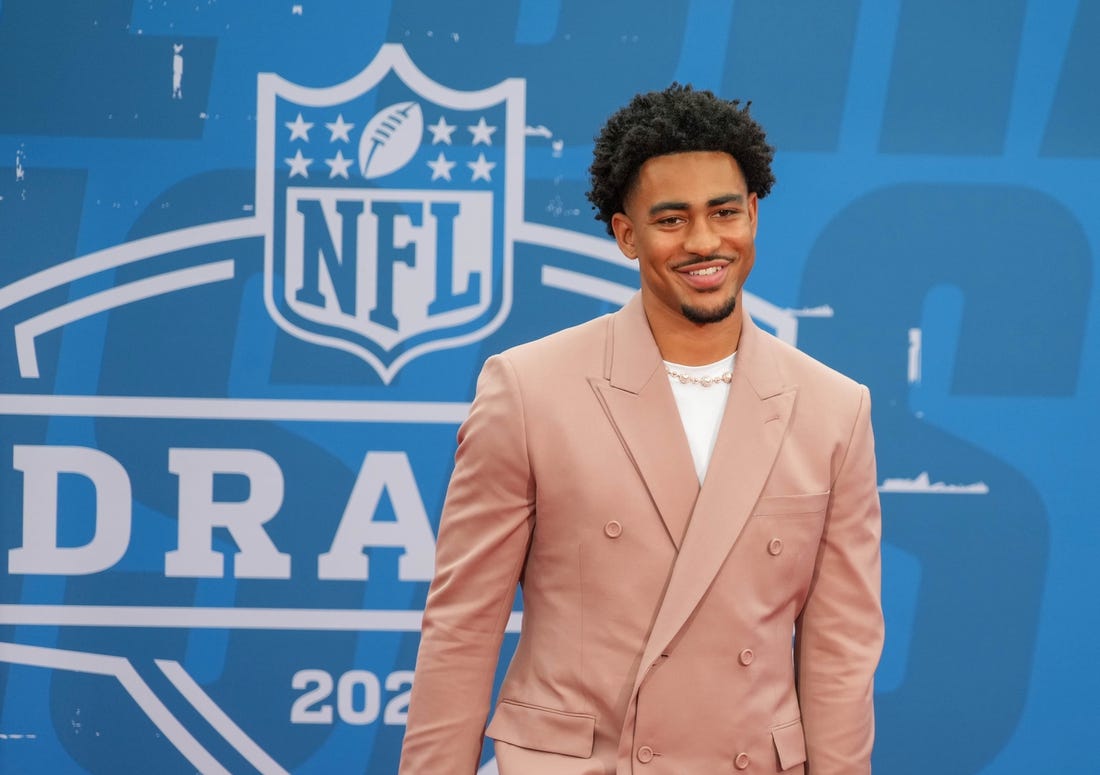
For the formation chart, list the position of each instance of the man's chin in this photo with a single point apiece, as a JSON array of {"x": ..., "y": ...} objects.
[{"x": 705, "y": 315}]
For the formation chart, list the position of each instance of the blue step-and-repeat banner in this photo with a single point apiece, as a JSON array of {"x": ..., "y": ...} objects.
[{"x": 253, "y": 255}]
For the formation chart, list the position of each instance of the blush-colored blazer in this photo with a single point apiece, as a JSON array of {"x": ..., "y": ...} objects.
[{"x": 658, "y": 615}]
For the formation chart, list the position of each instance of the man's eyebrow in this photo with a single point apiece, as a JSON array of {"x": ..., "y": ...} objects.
[
  {"x": 662, "y": 206},
  {"x": 724, "y": 199}
]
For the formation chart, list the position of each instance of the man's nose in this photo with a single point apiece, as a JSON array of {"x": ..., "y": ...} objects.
[{"x": 701, "y": 238}]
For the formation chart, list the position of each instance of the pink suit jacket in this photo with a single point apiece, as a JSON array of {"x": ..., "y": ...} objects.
[{"x": 658, "y": 614}]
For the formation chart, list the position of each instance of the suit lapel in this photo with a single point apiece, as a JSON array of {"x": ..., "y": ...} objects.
[
  {"x": 638, "y": 400},
  {"x": 753, "y": 425}
]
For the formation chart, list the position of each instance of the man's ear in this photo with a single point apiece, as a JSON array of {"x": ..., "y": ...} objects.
[
  {"x": 623, "y": 229},
  {"x": 753, "y": 209}
]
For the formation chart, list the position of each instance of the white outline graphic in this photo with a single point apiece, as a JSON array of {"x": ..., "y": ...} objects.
[
  {"x": 586, "y": 285},
  {"x": 273, "y": 409},
  {"x": 573, "y": 242},
  {"x": 131, "y": 252},
  {"x": 118, "y": 296},
  {"x": 217, "y": 718},
  {"x": 182, "y": 617},
  {"x": 127, "y": 676}
]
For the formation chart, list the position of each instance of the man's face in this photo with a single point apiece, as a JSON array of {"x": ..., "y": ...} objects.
[{"x": 690, "y": 221}]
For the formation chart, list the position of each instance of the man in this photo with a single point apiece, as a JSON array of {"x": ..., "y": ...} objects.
[{"x": 677, "y": 492}]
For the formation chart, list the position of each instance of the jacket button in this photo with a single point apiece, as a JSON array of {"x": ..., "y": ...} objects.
[
  {"x": 613, "y": 529},
  {"x": 775, "y": 546},
  {"x": 645, "y": 754},
  {"x": 742, "y": 761},
  {"x": 745, "y": 657}
]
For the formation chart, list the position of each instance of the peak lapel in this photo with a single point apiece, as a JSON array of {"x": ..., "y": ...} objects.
[
  {"x": 639, "y": 403},
  {"x": 753, "y": 425}
]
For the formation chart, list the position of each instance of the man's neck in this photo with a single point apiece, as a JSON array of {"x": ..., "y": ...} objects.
[{"x": 694, "y": 344}]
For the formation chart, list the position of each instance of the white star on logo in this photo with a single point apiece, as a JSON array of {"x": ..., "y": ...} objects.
[
  {"x": 339, "y": 129},
  {"x": 441, "y": 167},
  {"x": 482, "y": 132},
  {"x": 299, "y": 165},
  {"x": 441, "y": 131},
  {"x": 299, "y": 129},
  {"x": 480, "y": 168},
  {"x": 338, "y": 165}
]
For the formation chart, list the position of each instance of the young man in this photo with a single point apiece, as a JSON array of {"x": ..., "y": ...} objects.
[{"x": 677, "y": 492}]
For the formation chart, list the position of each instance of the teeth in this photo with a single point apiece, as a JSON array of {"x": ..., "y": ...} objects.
[{"x": 704, "y": 272}]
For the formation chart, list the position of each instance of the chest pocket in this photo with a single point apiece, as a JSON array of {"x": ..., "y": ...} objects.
[
  {"x": 791, "y": 505},
  {"x": 783, "y": 536}
]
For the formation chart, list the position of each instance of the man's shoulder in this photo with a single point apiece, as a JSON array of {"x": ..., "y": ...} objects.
[
  {"x": 802, "y": 369},
  {"x": 570, "y": 344},
  {"x": 828, "y": 400}
]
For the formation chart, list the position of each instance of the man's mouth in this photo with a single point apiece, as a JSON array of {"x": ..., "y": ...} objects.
[{"x": 705, "y": 275}]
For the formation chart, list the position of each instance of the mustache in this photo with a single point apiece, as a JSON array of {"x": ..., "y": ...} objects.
[{"x": 696, "y": 260}]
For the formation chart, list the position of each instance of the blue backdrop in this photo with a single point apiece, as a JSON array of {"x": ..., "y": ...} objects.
[{"x": 252, "y": 257}]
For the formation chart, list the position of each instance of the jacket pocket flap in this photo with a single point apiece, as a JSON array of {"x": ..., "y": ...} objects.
[
  {"x": 810, "y": 503},
  {"x": 790, "y": 744},
  {"x": 543, "y": 729}
]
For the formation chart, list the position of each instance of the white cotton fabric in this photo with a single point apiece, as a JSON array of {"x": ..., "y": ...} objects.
[{"x": 701, "y": 408}]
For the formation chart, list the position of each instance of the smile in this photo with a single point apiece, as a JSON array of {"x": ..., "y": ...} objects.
[{"x": 705, "y": 272}]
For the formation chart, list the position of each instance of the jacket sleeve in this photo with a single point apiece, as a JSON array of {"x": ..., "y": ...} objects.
[
  {"x": 840, "y": 631},
  {"x": 488, "y": 516}
]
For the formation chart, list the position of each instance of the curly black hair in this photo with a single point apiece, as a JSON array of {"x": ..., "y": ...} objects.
[{"x": 675, "y": 120}]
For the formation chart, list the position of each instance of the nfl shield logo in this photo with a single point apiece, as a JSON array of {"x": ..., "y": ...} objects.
[{"x": 391, "y": 203}]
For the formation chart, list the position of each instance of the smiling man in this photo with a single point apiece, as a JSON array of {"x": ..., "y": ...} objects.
[{"x": 676, "y": 492}]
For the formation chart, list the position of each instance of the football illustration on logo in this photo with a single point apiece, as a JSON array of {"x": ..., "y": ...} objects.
[{"x": 390, "y": 139}]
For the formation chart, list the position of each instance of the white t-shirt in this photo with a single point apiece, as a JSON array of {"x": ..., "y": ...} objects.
[{"x": 701, "y": 407}]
